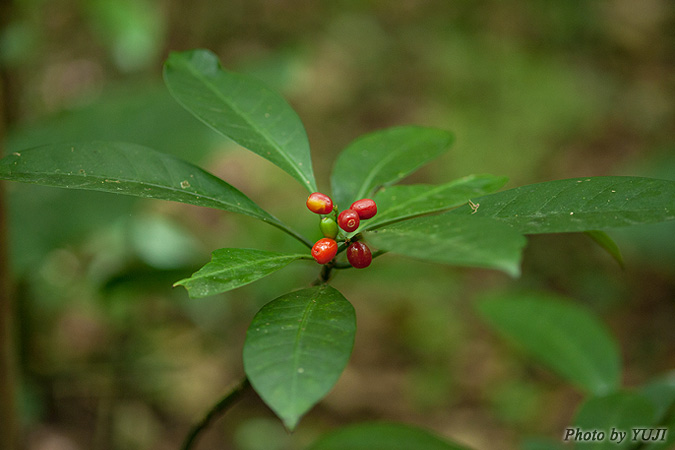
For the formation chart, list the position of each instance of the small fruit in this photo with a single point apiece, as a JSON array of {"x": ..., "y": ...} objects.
[
  {"x": 324, "y": 250},
  {"x": 319, "y": 203},
  {"x": 328, "y": 227},
  {"x": 358, "y": 255},
  {"x": 365, "y": 208},
  {"x": 349, "y": 220}
]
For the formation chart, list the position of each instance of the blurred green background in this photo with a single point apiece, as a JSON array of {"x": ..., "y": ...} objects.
[{"x": 112, "y": 357}]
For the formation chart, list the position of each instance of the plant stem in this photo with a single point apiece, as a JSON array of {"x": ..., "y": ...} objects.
[
  {"x": 8, "y": 420},
  {"x": 219, "y": 408},
  {"x": 286, "y": 229},
  {"x": 325, "y": 274}
]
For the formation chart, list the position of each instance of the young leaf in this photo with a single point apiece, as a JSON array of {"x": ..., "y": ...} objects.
[
  {"x": 383, "y": 436},
  {"x": 607, "y": 243},
  {"x": 458, "y": 240},
  {"x": 403, "y": 201},
  {"x": 620, "y": 411},
  {"x": 581, "y": 204},
  {"x": 382, "y": 158},
  {"x": 296, "y": 348},
  {"x": 563, "y": 336},
  {"x": 231, "y": 268},
  {"x": 129, "y": 169},
  {"x": 241, "y": 108}
]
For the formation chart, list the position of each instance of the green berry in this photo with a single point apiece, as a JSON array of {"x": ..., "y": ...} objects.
[{"x": 328, "y": 227}]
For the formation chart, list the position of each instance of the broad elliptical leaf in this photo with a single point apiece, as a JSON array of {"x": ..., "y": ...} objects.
[
  {"x": 243, "y": 109},
  {"x": 382, "y": 158},
  {"x": 565, "y": 337},
  {"x": 580, "y": 204},
  {"x": 457, "y": 240},
  {"x": 296, "y": 348},
  {"x": 129, "y": 169},
  {"x": 400, "y": 202},
  {"x": 231, "y": 268}
]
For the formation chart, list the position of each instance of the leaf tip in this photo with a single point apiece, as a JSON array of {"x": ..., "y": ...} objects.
[
  {"x": 290, "y": 423},
  {"x": 513, "y": 271}
]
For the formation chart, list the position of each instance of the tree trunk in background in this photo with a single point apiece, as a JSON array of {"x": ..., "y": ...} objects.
[{"x": 8, "y": 416}]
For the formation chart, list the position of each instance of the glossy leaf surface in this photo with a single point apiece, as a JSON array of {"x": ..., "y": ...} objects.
[
  {"x": 129, "y": 169},
  {"x": 457, "y": 240},
  {"x": 563, "y": 336},
  {"x": 296, "y": 348},
  {"x": 241, "y": 108},
  {"x": 403, "y": 201},
  {"x": 581, "y": 204},
  {"x": 231, "y": 268},
  {"x": 382, "y": 158},
  {"x": 383, "y": 436}
]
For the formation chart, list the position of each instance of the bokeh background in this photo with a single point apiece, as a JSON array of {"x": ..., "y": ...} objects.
[{"x": 112, "y": 357}]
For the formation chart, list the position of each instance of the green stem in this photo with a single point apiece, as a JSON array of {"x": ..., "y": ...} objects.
[
  {"x": 219, "y": 408},
  {"x": 286, "y": 229},
  {"x": 325, "y": 274}
]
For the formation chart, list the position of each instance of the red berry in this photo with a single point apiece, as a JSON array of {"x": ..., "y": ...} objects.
[
  {"x": 319, "y": 203},
  {"x": 366, "y": 208},
  {"x": 349, "y": 220},
  {"x": 359, "y": 255},
  {"x": 324, "y": 250}
]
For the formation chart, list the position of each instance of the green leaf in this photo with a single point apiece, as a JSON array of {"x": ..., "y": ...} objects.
[
  {"x": 458, "y": 240},
  {"x": 621, "y": 412},
  {"x": 231, "y": 268},
  {"x": 581, "y": 204},
  {"x": 561, "y": 335},
  {"x": 403, "y": 201},
  {"x": 603, "y": 240},
  {"x": 382, "y": 158},
  {"x": 296, "y": 348},
  {"x": 661, "y": 392},
  {"x": 661, "y": 439},
  {"x": 241, "y": 108},
  {"x": 129, "y": 169},
  {"x": 383, "y": 436}
]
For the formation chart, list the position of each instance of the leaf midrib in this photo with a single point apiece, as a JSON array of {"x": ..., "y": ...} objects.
[
  {"x": 504, "y": 262},
  {"x": 311, "y": 304},
  {"x": 292, "y": 163},
  {"x": 114, "y": 179},
  {"x": 376, "y": 170},
  {"x": 243, "y": 265},
  {"x": 558, "y": 340},
  {"x": 540, "y": 215},
  {"x": 616, "y": 186},
  {"x": 403, "y": 205}
]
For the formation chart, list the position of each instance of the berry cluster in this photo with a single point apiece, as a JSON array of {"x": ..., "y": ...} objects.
[{"x": 325, "y": 249}]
